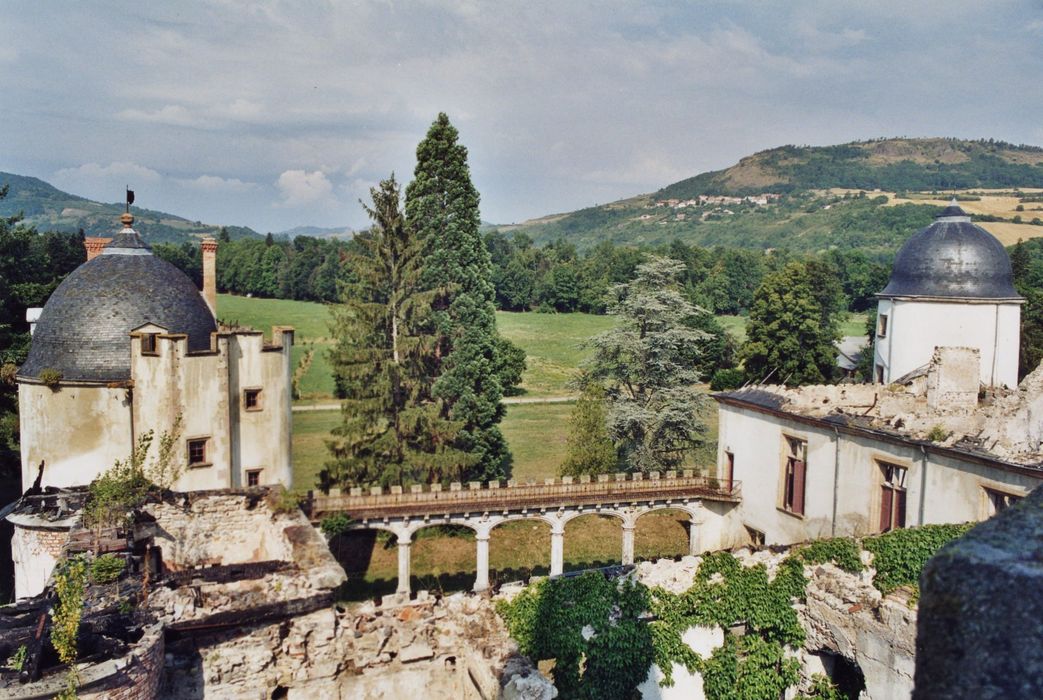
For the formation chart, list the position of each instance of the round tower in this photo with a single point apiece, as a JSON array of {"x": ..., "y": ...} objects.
[
  {"x": 951, "y": 286},
  {"x": 74, "y": 390}
]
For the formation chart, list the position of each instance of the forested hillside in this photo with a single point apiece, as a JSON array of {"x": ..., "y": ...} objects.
[
  {"x": 49, "y": 209},
  {"x": 808, "y": 197}
]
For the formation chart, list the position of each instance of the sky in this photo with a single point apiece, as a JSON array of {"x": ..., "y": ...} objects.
[{"x": 276, "y": 114}]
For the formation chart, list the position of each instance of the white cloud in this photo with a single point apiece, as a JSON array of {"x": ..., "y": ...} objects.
[
  {"x": 116, "y": 169},
  {"x": 214, "y": 183},
  {"x": 299, "y": 187},
  {"x": 172, "y": 115}
]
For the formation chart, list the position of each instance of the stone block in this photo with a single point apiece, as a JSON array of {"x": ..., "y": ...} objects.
[
  {"x": 494, "y": 484},
  {"x": 435, "y": 488},
  {"x": 671, "y": 474},
  {"x": 980, "y": 616},
  {"x": 567, "y": 480},
  {"x": 376, "y": 491},
  {"x": 584, "y": 478},
  {"x": 474, "y": 485},
  {"x": 549, "y": 481},
  {"x": 456, "y": 486},
  {"x": 334, "y": 493},
  {"x": 688, "y": 473},
  {"x": 418, "y": 651},
  {"x": 396, "y": 490},
  {"x": 356, "y": 490},
  {"x": 638, "y": 476},
  {"x": 416, "y": 488},
  {"x": 653, "y": 476},
  {"x": 511, "y": 482},
  {"x": 621, "y": 476},
  {"x": 602, "y": 478}
]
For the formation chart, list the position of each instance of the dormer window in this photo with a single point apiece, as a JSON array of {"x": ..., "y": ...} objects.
[{"x": 148, "y": 344}]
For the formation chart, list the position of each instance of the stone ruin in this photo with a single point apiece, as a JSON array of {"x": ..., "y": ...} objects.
[{"x": 228, "y": 595}]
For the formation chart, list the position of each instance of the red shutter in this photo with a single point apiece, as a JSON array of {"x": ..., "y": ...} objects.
[
  {"x": 798, "y": 486},
  {"x": 899, "y": 508},
  {"x": 885, "y": 509}
]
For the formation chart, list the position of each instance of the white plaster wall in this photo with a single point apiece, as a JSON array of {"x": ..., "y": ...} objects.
[
  {"x": 953, "y": 489},
  {"x": 79, "y": 431},
  {"x": 193, "y": 386},
  {"x": 33, "y": 563},
  {"x": 687, "y": 686},
  {"x": 264, "y": 435},
  {"x": 916, "y": 328}
]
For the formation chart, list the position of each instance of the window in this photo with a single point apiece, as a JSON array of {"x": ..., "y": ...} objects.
[
  {"x": 879, "y": 374},
  {"x": 756, "y": 536},
  {"x": 881, "y": 326},
  {"x": 796, "y": 468},
  {"x": 253, "y": 477},
  {"x": 148, "y": 344},
  {"x": 729, "y": 468},
  {"x": 197, "y": 452},
  {"x": 998, "y": 501},
  {"x": 252, "y": 399},
  {"x": 892, "y": 497}
]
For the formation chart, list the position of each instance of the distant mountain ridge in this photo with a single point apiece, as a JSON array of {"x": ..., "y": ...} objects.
[
  {"x": 719, "y": 207},
  {"x": 50, "y": 209},
  {"x": 342, "y": 232}
]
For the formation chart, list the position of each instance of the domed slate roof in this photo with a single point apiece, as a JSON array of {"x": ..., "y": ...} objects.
[
  {"x": 952, "y": 258},
  {"x": 84, "y": 328}
]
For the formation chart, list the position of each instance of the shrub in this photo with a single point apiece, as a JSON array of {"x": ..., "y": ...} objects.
[
  {"x": 50, "y": 378},
  {"x": 333, "y": 525},
  {"x": 282, "y": 501},
  {"x": 725, "y": 379},
  {"x": 937, "y": 433},
  {"x": 107, "y": 568}
]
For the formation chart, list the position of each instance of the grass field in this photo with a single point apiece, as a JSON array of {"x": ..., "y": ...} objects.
[{"x": 853, "y": 324}]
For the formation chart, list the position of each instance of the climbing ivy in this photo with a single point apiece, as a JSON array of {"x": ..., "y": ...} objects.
[
  {"x": 591, "y": 627},
  {"x": 842, "y": 551},
  {"x": 899, "y": 556},
  {"x": 748, "y": 668},
  {"x": 726, "y": 594}
]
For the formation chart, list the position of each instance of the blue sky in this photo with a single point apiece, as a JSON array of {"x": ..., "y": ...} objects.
[{"x": 276, "y": 114}]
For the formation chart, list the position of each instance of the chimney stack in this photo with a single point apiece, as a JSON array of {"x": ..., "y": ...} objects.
[
  {"x": 210, "y": 273},
  {"x": 94, "y": 246}
]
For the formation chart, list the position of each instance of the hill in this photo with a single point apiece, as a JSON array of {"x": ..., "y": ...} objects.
[
  {"x": 813, "y": 198},
  {"x": 50, "y": 209},
  {"x": 341, "y": 232}
]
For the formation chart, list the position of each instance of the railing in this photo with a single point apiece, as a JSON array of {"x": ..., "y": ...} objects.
[{"x": 417, "y": 500}]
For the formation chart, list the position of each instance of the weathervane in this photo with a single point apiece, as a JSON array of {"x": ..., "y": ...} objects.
[{"x": 130, "y": 198}]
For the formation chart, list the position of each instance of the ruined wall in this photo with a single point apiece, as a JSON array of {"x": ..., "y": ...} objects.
[
  {"x": 451, "y": 648},
  {"x": 844, "y": 616},
  {"x": 34, "y": 551}
]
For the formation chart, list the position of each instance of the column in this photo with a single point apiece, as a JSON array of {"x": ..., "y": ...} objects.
[
  {"x": 695, "y": 529},
  {"x": 404, "y": 541},
  {"x": 557, "y": 550},
  {"x": 481, "y": 581},
  {"x": 628, "y": 542}
]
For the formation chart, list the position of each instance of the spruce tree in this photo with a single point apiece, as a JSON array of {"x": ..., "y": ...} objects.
[
  {"x": 442, "y": 206},
  {"x": 789, "y": 338},
  {"x": 394, "y": 430},
  {"x": 647, "y": 364}
]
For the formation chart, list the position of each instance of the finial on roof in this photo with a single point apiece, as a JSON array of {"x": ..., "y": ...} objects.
[{"x": 127, "y": 219}]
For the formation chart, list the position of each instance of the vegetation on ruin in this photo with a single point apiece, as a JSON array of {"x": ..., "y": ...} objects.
[
  {"x": 899, "y": 556},
  {"x": 334, "y": 525},
  {"x": 844, "y": 552},
  {"x": 70, "y": 584},
  {"x": 106, "y": 568},
  {"x": 591, "y": 626}
]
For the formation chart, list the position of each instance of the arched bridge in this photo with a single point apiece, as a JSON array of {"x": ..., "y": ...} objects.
[{"x": 481, "y": 507}]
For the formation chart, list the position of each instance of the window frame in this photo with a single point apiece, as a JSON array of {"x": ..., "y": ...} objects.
[
  {"x": 257, "y": 393},
  {"x": 206, "y": 461},
  {"x": 252, "y": 474},
  {"x": 892, "y": 478},
  {"x": 881, "y": 325},
  {"x": 149, "y": 344},
  {"x": 989, "y": 504},
  {"x": 794, "y": 476}
]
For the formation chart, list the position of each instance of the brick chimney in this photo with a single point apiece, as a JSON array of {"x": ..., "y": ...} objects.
[
  {"x": 94, "y": 246},
  {"x": 210, "y": 273}
]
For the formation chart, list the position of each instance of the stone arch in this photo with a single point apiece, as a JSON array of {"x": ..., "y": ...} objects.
[
  {"x": 444, "y": 562},
  {"x": 672, "y": 527},
  {"x": 599, "y": 542},
  {"x": 529, "y": 535}
]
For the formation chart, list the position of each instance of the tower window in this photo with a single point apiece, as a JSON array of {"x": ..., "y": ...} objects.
[
  {"x": 253, "y": 477},
  {"x": 881, "y": 326},
  {"x": 879, "y": 374},
  {"x": 198, "y": 452},
  {"x": 148, "y": 344},
  {"x": 252, "y": 399}
]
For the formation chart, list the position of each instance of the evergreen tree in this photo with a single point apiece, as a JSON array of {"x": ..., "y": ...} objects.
[
  {"x": 647, "y": 364},
  {"x": 590, "y": 449},
  {"x": 442, "y": 206},
  {"x": 393, "y": 430},
  {"x": 789, "y": 339}
]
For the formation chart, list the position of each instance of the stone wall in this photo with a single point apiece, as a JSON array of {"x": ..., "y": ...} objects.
[
  {"x": 843, "y": 616},
  {"x": 456, "y": 647},
  {"x": 34, "y": 552}
]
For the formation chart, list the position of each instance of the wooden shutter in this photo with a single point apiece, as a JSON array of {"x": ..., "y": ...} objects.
[
  {"x": 798, "y": 486},
  {"x": 885, "y": 508},
  {"x": 899, "y": 508}
]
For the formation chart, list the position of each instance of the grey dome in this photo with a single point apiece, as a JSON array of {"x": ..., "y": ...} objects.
[
  {"x": 83, "y": 331},
  {"x": 952, "y": 258}
]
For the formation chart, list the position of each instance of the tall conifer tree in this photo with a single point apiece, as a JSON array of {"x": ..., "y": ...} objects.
[
  {"x": 393, "y": 431},
  {"x": 442, "y": 206}
]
